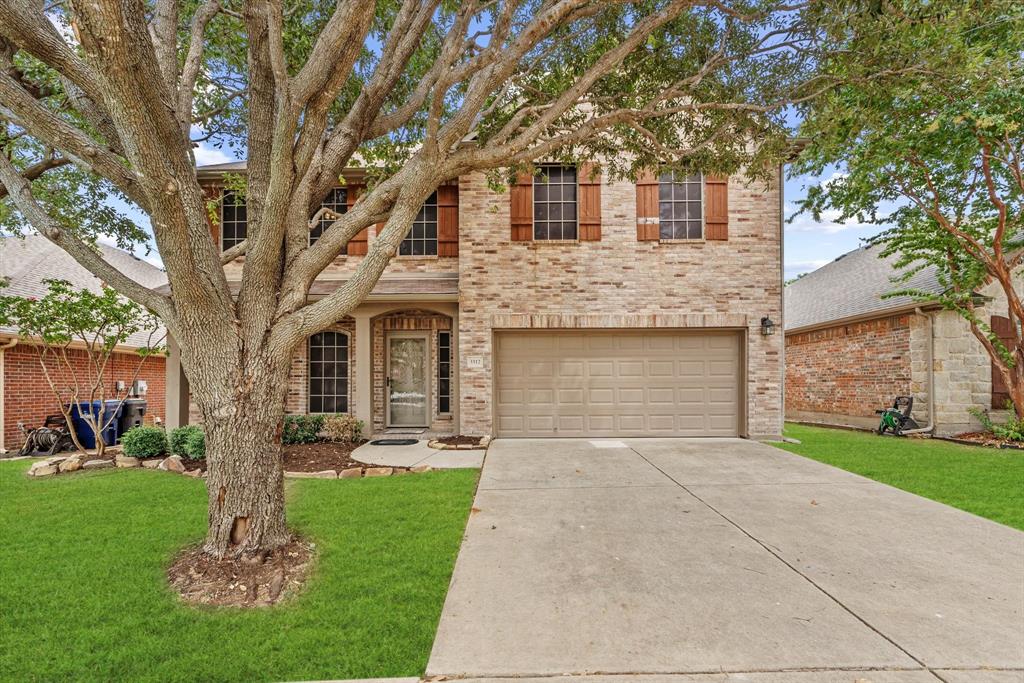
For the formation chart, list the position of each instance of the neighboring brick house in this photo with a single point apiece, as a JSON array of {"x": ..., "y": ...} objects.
[
  {"x": 849, "y": 351},
  {"x": 27, "y": 398},
  {"x": 569, "y": 306}
]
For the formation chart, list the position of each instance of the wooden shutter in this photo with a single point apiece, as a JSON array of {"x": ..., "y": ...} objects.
[
  {"x": 716, "y": 208},
  {"x": 647, "y": 228},
  {"x": 448, "y": 220},
  {"x": 521, "y": 208},
  {"x": 590, "y": 202},
  {"x": 358, "y": 245},
  {"x": 1003, "y": 328}
]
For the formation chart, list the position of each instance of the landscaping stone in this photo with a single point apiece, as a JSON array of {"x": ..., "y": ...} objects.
[
  {"x": 71, "y": 464},
  {"x": 43, "y": 468},
  {"x": 351, "y": 473},
  {"x": 325, "y": 474},
  {"x": 97, "y": 464},
  {"x": 379, "y": 471},
  {"x": 172, "y": 464},
  {"x": 196, "y": 474},
  {"x": 419, "y": 469},
  {"x": 125, "y": 461},
  {"x": 151, "y": 464}
]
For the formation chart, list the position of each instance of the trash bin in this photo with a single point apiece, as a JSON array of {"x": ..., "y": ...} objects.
[
  {"x": 132, "y": 414},
  {"x": 107, "y": 411}
]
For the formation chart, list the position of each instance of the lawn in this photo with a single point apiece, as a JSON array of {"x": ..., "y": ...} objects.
[
  {"x": 986, "y": 481},
  {"x": 83, "y": 594}
]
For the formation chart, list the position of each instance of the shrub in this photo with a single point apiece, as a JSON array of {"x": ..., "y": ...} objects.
[
  {"x": 178, "y": 437},
  {"x": 195, "y": 445},
  {"x": 343, "y": 428},
  {"x": 1011, "y": 430},
  {"x": 302, "y": 429},
  {"x": 144, "y": 442}
]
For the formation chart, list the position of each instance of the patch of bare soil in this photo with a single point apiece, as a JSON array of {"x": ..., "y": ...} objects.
[
  {"x": 317, "y": 457},
  {"x": 246, "y": 582},
  {"x": 988, "y": 439},
  {"x": 459, "y": 440}
]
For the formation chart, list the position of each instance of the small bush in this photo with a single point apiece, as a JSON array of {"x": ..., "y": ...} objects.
[
  {"x": 178, "y": 437},
  {"x": 343, "y": 428},
  {"x": 302, "y": 429},
  {"x": 144, "y": 442},
  {"x": 1011, "y": 430},
  {"x": 195, "y": 445}
]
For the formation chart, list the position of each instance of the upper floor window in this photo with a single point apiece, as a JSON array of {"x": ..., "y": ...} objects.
[
  {"x": 422, "y": 237},
  {"x": 680, "y": 206},
  {"x": 554, "y": 203},
  {"x": 337, "y": 201},
  {"x": 232, "y": 219},
  {"x": 328, "y": 372}
]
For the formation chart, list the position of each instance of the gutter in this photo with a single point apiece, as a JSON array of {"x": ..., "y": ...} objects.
[
  {"x": 11, "y": 343},
  {"x": 931, "y": 376},
  {"x": 860, "y": 317}
]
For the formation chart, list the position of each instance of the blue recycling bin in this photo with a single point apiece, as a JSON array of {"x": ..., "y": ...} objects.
[{"x": 110, "y": 416}]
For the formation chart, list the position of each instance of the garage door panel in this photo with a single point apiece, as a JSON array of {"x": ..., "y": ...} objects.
[{"x": 629, "y": 383}]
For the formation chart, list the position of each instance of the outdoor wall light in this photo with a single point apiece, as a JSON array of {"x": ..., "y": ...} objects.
[{"x": 767, "y": 326}]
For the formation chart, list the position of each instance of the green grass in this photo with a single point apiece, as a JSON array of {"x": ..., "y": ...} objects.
[
  {"x": 83, "y": 594},
  {"x": 985, "y": 481}
]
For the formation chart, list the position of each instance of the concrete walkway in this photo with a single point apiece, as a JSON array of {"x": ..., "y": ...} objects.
[
  {"x": 417, "y": 454},
  {"x": 702, "y": 558}
]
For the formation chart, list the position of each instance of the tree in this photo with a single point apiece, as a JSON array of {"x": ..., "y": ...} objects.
[
  {"x": 75, "y": 334},
  {"x": 419, "y": 91},
  {"x": 942, "y": 143}
]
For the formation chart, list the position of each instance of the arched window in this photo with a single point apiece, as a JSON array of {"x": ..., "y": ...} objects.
[{"x": 328, "y": 372}]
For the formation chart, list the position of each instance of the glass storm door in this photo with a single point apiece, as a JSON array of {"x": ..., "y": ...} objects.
[{"x": 408, "y": 388}]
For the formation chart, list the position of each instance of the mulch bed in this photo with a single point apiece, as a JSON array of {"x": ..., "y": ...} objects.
[
  {"x": 459, "y": 440},
  {"x": 986, "y": 439},
  {"x": 325, "y": 455},
  {"x": 246, "y": 582}
]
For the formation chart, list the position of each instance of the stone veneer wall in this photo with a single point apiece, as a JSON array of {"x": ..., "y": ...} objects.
[
  {"x": 843, "y": 374},
  {"x": 620, "y": 282}
]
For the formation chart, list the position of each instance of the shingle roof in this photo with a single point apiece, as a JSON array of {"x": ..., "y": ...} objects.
[
  {"x": 852, "y": 286},
  {"x": 26, "y": 262}
]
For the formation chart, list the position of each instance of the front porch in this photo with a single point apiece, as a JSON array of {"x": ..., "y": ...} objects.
[{"x": 391, "y": 364}]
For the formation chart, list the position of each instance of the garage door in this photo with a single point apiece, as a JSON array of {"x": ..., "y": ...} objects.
[{"x": 618, "y": 383}]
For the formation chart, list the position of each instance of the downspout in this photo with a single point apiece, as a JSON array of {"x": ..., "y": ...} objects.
[
  {"x": 3, "y": 391},
  {"x": 931, "y": 375}
]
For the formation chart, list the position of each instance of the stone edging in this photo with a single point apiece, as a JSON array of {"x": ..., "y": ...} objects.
[
  {"x": 358, "y": 472},
  {"x": 485, "y": 441}
]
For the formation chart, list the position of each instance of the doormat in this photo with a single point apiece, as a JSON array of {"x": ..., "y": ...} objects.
[{"x": 394, "y": 442}]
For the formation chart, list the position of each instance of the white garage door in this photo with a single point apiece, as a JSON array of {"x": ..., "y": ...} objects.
[{"x": 636, "y": 383}]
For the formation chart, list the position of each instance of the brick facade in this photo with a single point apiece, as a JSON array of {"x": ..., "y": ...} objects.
[
  {"x": 849, "y": 370},
  {"x": 28, "y": 398}
]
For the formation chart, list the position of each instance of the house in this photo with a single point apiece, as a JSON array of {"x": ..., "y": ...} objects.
[
  {"x": 850, "y": 350},
  {"x": 26, "y": 263},
  {"x": 570, "y": 306}
]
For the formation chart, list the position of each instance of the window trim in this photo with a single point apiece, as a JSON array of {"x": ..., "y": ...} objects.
[
  {"x": 703, "y": 221},
  {"x": 348, "y": 374},
  {"x": 533, "y": 206},
  {"x": 220, "y": 227},
  {"x": 437, "y": 222}
]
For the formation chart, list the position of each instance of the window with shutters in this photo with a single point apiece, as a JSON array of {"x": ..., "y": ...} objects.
[
  {"x": 681, "y": 206},
  {"x": 336, "y": 200},
  {"x": 555, "y": 203},
  {"x": 328, "y": 372},
  {"x": 422, "y": 238},
  {"x": 233, "y": 219},
  {"x": 444, "y": 372}
]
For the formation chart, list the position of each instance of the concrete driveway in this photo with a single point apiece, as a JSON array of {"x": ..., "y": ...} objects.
[{"x": 701, "y": 558}]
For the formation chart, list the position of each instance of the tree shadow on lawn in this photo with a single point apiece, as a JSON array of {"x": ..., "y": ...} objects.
[{"x": 84, "y": 594}]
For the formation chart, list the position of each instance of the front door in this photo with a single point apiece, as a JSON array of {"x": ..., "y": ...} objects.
[{"x": 408, "y": 379}]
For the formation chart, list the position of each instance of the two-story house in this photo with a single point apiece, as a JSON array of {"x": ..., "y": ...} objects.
[{"x": 569, "y": 306}]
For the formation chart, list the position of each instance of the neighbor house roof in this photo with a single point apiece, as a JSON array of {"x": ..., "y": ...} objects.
[
  {"x": 852, "y": 286},
  {"x": 26, "y": 262}
]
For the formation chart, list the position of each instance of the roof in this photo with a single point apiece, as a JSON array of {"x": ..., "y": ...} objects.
[
  {"x": 852, "y": 286},
  {"x": 27, "y": 261}
]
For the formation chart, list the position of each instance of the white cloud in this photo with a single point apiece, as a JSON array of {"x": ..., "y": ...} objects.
[
  {"x": 206, "y": 155},
  {"x": 829, "y": 223},
  {"x": 794, "y": 268}
]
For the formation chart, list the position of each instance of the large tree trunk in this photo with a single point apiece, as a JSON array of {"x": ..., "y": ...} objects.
[{"x": 242, "y": 411}]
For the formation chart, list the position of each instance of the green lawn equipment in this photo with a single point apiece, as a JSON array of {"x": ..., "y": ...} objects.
[{"x": 897, "y": 419}]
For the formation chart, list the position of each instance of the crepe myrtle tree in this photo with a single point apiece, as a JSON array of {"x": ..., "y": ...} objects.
[
  {"x": 118, "y": 92},
  {"x": 941, "y": 146},
  {"x": 75, "y": 334}
]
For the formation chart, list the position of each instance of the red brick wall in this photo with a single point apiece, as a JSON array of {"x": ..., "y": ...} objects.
[
  {"x": 849, "y": 369},
  {"x": 28, "y": 398}
]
